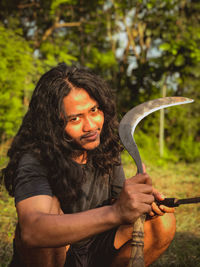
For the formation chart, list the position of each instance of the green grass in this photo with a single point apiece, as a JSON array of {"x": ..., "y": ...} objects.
[
  {"x": 174, "y": 180},
  {"x": 7, "y": 226}
]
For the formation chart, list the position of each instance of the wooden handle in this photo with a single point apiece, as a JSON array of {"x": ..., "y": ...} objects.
[{"x": 137, "y": 254}]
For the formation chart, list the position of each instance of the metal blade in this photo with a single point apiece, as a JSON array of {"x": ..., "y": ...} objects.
[{"x": 135, "y": 115}]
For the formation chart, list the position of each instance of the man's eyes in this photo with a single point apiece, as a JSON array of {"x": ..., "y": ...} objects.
[
  {"x": 95, "y": 109},
  {"x": 75, "y": 119}
]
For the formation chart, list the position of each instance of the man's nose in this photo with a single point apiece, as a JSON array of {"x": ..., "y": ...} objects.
[{"x": 89, "y": 124}]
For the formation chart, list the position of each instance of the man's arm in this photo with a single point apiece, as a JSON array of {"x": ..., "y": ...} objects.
[{"x": 39, "y": 228}]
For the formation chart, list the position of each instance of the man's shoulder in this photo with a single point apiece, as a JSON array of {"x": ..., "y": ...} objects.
[
  {"x": 31, "y": 178},
  {"x": 29, "y": 160}
]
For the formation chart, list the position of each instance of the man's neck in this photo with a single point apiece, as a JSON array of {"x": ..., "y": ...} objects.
[{"x": 82, "y": 159}]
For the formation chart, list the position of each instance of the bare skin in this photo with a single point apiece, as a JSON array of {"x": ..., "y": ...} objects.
[{"x": 44, "y": 231}]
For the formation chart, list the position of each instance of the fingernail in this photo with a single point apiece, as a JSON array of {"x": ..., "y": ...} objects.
[{"x": 162, "y": 196}]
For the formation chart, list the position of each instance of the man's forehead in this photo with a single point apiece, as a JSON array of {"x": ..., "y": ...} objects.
[{"x": 78, "y": 101}]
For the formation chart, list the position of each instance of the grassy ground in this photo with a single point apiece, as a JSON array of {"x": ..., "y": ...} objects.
[
  {"x": 178, "y": 180},
  {"x": 7, "y": 226}
]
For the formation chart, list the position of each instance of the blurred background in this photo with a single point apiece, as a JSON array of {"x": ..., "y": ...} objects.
[{"x": 144, "y": 49}]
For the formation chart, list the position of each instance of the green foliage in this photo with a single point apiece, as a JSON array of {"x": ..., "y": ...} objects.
[
  {"x": 189, "y": 149},
  {"x": 16, "y": 67},
  {"x": 181, "y": 131},
  {"x": 56, "y": 3},
  {"x": 56, "y": 52},
  {"x": 170, "y": 27},
  {"x": 103, "y": 60},
  {"x": 148, "y": 145}
]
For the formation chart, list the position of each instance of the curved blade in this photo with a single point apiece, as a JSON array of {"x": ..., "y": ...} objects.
[{"x": 135, "y": 115}]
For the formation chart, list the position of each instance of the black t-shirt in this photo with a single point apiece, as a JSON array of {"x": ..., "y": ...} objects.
[{"x": 31, "y": 180}]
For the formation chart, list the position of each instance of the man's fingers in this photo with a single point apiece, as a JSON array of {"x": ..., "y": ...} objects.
[
  {"x": 145, "y": 208},
  {"x": 157, "y": 210},
  {"x": 137, "y": 188},
  {"x": 148, "y": 199},
  {"x": 144, "y": 168},
  {"x": 167, "y": 209},
  {"x": 161, "y": 209},
  {"x": 158, "y": 196},
  {"x": 132, "y": 205},
  {"x": 141, "y": 178}
]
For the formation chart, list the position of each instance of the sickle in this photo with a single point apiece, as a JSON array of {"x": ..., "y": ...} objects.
[{"x": 126, "y": 131}]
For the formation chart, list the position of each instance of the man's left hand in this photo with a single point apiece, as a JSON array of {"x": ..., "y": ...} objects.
[{"x": 159, "y": 210}]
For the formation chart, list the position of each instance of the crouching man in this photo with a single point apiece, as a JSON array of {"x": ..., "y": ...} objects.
[{"x": 74, "y": 206}]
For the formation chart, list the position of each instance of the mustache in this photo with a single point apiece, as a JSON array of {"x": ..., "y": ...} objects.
[{"x": 89, "y": 134}]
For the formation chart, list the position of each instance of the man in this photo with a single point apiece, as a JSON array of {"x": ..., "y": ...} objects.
[{"x": 74, "y": 206}]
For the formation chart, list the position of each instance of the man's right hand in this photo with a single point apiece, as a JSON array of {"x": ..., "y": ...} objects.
[{"x": 135, "y": 199}]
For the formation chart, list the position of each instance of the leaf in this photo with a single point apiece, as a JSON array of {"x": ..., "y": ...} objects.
[
  {"x": 179, "y": 60},
  {"x": 56, "y": 3},
  {"x": 165, "y": 46}
]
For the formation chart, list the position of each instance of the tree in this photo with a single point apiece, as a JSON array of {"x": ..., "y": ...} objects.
[{"x": 161, "y": 44}]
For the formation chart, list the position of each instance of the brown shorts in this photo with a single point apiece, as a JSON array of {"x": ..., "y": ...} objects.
[{"x": 97, "y": 252}]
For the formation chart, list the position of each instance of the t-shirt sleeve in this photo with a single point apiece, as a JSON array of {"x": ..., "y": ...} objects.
[
  {"x": 31, "y": 179},
  {"x": 117, "y": 181}
]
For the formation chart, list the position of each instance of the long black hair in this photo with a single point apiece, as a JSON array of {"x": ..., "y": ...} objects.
[{"x": 42, "y": 131}]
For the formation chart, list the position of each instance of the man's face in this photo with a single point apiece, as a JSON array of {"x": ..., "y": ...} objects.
[{"x": 85, "y": 119}]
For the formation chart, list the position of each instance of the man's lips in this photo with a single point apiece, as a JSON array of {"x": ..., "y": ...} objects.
[{"x": 92, "y": 136}]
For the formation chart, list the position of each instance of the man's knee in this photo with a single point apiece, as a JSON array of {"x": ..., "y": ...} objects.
[
  {"x": 158, "y": 234},
  {"x": 168, "y": 226},
  {"x": 51, "y": 257},
  {"x": 164, "y": 228}
]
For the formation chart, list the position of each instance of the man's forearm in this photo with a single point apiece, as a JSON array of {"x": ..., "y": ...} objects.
[{"x": 47, "y": 230}]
